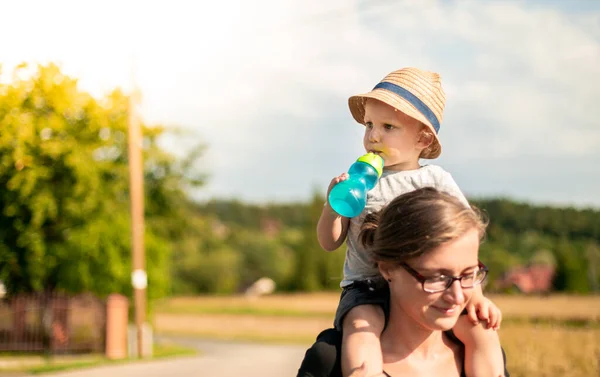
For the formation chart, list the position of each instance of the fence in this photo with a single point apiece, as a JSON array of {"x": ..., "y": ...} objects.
[{"x": 54, "y": 323}]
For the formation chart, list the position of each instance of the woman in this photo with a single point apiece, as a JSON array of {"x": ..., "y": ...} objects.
[{"x": 426, "y": 244}]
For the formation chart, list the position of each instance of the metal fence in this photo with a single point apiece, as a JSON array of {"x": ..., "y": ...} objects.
[{"x": 54, "y": 323}]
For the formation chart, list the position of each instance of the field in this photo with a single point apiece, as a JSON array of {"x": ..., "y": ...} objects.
[{"x": 542, "y": 336}]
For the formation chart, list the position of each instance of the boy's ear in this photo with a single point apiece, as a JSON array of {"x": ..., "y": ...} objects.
[{"x": 425, "y": 139}]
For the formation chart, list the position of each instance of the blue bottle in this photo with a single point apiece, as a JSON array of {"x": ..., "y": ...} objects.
[{"x": 348, "y": 198}]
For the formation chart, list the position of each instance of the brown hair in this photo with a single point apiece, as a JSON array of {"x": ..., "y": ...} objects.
[{"x": 417, "y": 222}]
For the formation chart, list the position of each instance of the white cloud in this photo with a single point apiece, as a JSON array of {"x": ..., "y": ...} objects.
[{"x": 269, "y": 80}]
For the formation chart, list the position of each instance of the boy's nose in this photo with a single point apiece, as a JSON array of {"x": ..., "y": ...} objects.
[{"x": 374, "y": 135}]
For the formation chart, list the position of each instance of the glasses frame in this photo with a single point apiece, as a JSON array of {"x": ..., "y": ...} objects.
[{"x": 422, "y": 279}]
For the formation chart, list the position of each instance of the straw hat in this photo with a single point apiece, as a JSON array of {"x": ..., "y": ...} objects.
[{"x": 416, "y": 93}]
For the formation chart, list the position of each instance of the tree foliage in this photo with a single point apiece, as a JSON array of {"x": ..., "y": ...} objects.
[
  {"x": 64, "y": 189},
  {"x": 65, "y": 224},
  {"x": 518, "y": 235}
]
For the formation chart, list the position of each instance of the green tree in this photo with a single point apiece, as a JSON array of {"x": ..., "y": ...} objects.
[
  {"x": 307, "y": 251},
  {"x": 498, "y": 260},
  {"x": 64, "y": 200},
  {"x": 543, "y": 257},
  {"x": 592, "y": 255},
  {"x": 316, "y": 269},
  {"x": 571, "y": 272}
]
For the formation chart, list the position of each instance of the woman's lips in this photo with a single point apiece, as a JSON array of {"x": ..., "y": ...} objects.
[{"x": 447, "y": 311}]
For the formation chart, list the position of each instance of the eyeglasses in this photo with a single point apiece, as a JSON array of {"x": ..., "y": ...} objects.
[{"x": 442, "y": 282}]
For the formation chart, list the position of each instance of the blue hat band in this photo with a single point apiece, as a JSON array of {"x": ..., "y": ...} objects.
[{"x": 413, "y": 100}]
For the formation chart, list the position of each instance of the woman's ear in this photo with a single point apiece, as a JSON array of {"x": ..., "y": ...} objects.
[{"x": 385, "y": 268}]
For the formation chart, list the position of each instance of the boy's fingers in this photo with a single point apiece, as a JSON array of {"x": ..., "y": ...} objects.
[
  {"x": 493, "y": 319},
  {"x": 335, "y": 181},
  {"x": 472, "y": 314},
  {"x": 340, "y": 178},
  {"x": 484, "y": 312},
  {"x": 498, "y": 320}
]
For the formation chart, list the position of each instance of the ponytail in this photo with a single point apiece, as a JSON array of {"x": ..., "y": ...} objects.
[{"x": 368, "y": 229}]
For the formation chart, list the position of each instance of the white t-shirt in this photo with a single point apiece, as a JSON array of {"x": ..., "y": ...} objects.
[{"x": 358, "y": 264}]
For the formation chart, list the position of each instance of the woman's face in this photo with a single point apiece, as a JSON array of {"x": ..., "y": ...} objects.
[{"x": 435, "y": 311}]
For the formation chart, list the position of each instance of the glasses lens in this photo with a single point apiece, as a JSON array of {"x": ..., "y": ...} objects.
[
  {"x": 472, "y": 280},
  {"x": 480, "y": 276},
  {"x": 469, "y": 281},
  {"x": 436, "y": 284}
]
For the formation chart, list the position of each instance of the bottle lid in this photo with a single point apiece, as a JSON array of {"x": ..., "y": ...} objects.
[{"x": 374, "y": 160}]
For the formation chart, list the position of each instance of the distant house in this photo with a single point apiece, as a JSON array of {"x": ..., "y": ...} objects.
[{"x": 535, "y": 278}]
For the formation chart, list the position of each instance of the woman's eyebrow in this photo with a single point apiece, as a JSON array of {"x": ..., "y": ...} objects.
[{"x": 444, "y": 271}]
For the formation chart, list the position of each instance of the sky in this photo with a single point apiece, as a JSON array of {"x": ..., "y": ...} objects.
[{"x": 264, "y": 84}]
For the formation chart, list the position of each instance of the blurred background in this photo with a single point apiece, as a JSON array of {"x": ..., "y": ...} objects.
[{"x": 244, "y": 113}]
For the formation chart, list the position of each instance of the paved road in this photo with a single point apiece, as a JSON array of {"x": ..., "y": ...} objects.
[{"x": 217, "y": 359}]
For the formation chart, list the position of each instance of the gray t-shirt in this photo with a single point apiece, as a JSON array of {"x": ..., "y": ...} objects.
[{"x": 358, "y": 264}]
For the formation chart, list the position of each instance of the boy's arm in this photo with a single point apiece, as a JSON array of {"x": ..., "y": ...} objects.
[
  {"x": 331, "y": 229},
  {"x": 481, "y": 308},
  {"x": 483, "y": 353}
]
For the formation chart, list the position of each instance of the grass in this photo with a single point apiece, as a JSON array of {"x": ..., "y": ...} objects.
[
  {"x": 551, "y": 351},
  {"x": 165, "y": 350},
  {"x": 39, "y": 364},
  {"x": 323, "y": 304},
  {"x": 241, "y": 310},
  {"x": 571, "y": 311},
  {"x": 542, "y": 336}
]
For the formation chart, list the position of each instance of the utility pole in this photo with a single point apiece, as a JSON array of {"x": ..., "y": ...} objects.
[{"x": 139, "y": 278}]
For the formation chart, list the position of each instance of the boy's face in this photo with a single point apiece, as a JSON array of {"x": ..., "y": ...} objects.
[{"x": 393, "y": 135}]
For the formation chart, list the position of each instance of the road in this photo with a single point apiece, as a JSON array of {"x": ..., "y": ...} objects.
[{"x": 217, "y": 359}]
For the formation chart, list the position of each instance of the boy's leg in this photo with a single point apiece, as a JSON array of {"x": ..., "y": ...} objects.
[{"x": 362, "y": 327}]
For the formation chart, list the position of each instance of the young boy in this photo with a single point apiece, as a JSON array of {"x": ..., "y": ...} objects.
[{"x": 402, "y": 117}]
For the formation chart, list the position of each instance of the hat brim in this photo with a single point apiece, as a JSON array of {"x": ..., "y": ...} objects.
[{"x": 357, "y": 108}]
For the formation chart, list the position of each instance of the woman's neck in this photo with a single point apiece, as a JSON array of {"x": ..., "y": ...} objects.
[{"x": 404, "y": 336}]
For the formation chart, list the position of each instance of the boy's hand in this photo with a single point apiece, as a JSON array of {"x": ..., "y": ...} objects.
[
  {"x": 467, "y": 331},
  {"x": 483, "y": 354},
  {"x": 481, "y": 308},
  {"x": 336, "y": 180},
  {"x": 473, "y": 334}
]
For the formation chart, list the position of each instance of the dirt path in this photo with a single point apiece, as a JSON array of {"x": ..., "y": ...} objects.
[
  {"x": 218, "y": 359},
  {"x": 254, "y": 327}
]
